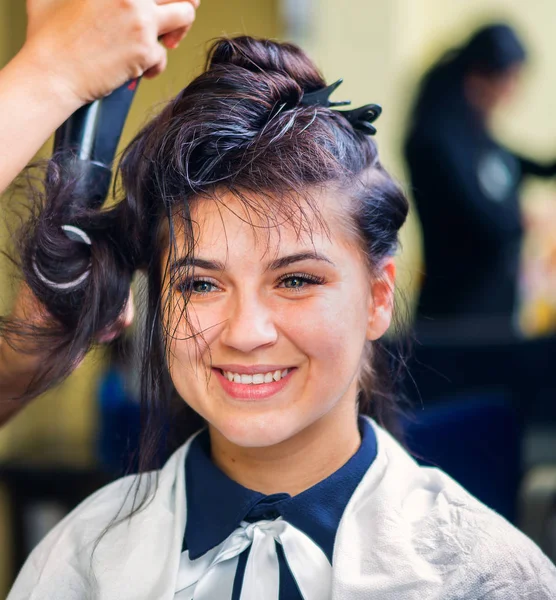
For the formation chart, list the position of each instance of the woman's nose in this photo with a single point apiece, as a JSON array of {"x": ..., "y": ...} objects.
[{"x": 249, "y": 325}]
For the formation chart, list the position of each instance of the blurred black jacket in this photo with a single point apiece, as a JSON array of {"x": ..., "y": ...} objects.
[{"x": 466, "y": 188}]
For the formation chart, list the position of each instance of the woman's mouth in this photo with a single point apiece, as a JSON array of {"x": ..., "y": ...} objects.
[{"x": 253, "y": 386}]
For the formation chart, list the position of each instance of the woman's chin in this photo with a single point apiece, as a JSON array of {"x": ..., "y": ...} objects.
[{"x": 261, "y": 432}]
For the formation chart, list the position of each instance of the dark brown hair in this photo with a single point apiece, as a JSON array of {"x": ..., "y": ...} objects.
[{"x": 240, "y": 126}]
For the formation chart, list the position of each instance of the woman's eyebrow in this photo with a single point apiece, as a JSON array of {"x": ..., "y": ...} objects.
[
  {"x": 284, "y": 261},
  {"x": 201, "y": 263}
]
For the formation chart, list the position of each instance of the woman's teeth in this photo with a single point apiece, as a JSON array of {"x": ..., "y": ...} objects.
[{"x": 257, "y": 378}]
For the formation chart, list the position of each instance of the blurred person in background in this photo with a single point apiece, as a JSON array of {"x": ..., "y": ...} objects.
[
  {"x": 74, "y": 53},
  {"x": 472, "y": 357},
  {"x": 466, "y": 185}
]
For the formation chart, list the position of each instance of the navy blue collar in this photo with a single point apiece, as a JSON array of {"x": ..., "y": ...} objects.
[{"x": 216, "y": 504}]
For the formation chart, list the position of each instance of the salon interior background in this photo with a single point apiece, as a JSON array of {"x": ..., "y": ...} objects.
[{"x": 379, "y": 48}]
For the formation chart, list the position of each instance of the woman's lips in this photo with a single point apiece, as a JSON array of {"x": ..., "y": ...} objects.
[{"x": 250, "y": 391}]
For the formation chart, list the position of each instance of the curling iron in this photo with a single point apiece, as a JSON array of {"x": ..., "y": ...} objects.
[
  {"x": 86, "y": 143},
  {"x": 84, "y": 147}
]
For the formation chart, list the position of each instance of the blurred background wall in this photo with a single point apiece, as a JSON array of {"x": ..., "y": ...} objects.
[{"x": 380, "y": 48}]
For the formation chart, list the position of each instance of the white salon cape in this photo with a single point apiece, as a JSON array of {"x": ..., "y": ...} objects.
[{"x": 408, "y": 533}]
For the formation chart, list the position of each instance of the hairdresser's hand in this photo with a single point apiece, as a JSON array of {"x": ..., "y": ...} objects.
[
  {"x": 30, "y": 310},
  {"x": 91, "y": 47},
  {"x": 124, "y": 321},
  {"x": 77, "y": 51},
  {"x": 18, "y": 368}
]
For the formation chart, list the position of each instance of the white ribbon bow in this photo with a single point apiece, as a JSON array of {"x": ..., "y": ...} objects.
[{"x": 211, "y": 576}]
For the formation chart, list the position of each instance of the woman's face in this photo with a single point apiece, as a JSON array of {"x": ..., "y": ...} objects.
[
  {"x": 284, "y": 317},
  {"x": 488, "y": 92}
]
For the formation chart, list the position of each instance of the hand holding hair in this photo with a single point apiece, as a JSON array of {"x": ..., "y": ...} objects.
[
  {"x": 76, "y": 52},
  {"x": 92, "y": 47},
  {"x": 18, "y": 367}
]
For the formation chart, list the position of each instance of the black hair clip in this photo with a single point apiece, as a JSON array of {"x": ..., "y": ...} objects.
[
  {"x": 360, "y": 118},
  {"x": 322, "y": 96}
]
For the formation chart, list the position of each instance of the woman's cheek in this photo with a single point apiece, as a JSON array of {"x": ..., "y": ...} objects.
[
  {"x": 191, "y": 334},
  {"x": 331, "y": 326},
  {"x": 313, "y": 324}
]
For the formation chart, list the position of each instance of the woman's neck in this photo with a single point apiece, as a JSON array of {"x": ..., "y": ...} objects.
[{"x": 297, "y": 463}]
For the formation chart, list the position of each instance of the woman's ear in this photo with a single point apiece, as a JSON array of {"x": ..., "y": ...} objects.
[{"x": 381, "y": 304}]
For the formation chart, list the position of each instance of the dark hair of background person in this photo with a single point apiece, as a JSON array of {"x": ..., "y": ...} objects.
[
  {"x": 239, "y": 127},
  {"x": 493, "y": 50}
]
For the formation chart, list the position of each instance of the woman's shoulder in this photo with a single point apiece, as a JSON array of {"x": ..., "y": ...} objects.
[
  {"x": 118, "y": 499},
  {"x": 436, "y": 534},
  {"x": 474, "y": 548},
  {"x": 99, "y": 535}
]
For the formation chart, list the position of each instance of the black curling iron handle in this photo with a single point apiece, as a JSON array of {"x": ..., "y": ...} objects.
[{"x": 86, "y": 143}]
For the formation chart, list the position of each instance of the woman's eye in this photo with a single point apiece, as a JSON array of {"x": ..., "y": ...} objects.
[
  {"x": 297, "y": 282},
  {"x": 202, "y": 287},
  {"x": 294, "y": 282},
  {"x": 196, "y": 286}
]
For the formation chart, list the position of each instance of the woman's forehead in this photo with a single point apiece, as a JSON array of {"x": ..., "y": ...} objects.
[{"x": 261, "y": 224}]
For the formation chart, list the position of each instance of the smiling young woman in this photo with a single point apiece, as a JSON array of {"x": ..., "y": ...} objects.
[
  {"x": 267, "y": 228},
  {"x": 284, "y": 320}
]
